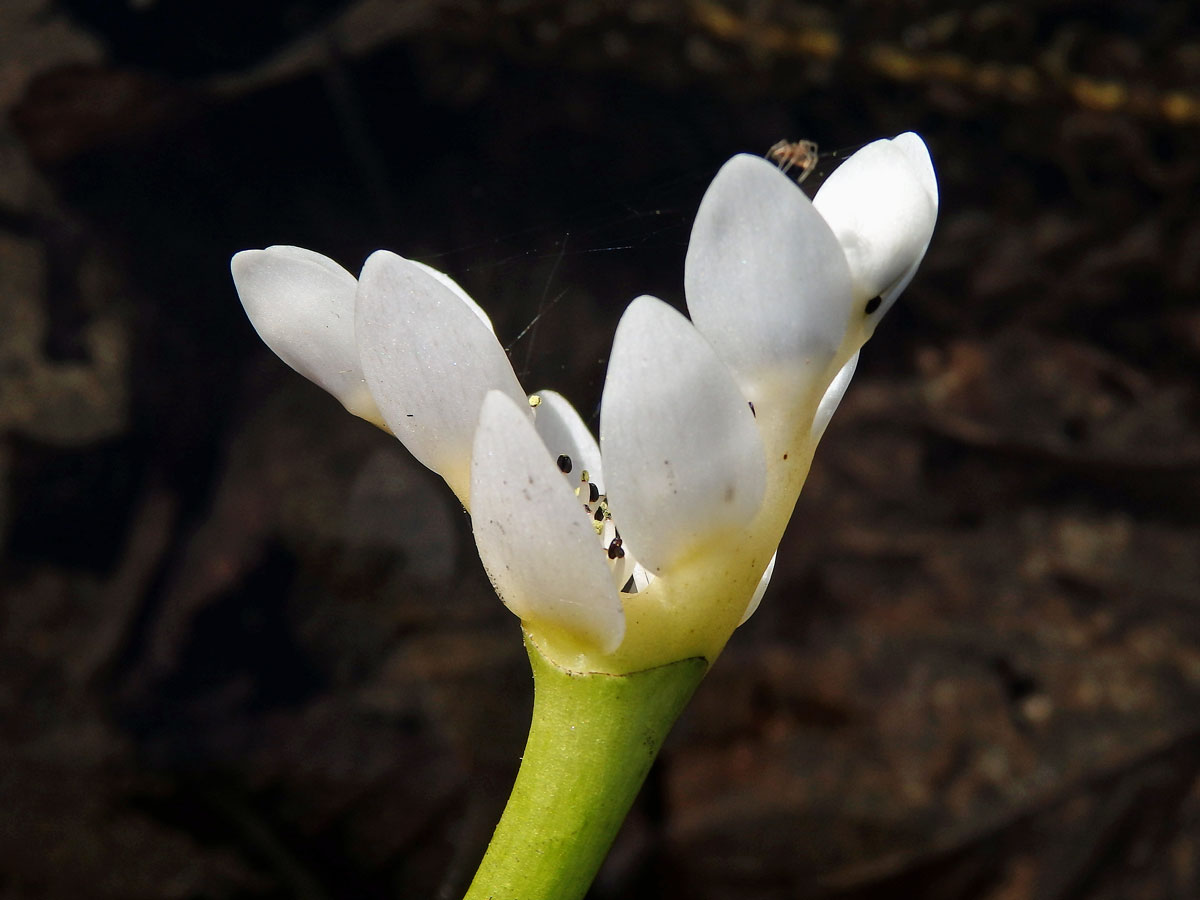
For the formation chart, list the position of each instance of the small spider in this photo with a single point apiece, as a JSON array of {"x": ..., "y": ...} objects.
[{"x": 787, "y": 154}]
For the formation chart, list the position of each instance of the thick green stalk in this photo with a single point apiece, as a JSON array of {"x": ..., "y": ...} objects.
[{"x": 591, "y": 743}]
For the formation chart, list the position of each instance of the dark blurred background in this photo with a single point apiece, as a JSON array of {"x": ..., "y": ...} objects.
[{"x": 246, "y": 647}]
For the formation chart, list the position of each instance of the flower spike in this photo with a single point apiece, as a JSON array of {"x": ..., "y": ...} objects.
[
  {"x": 630, "y": 561},
  {"x": 653, "y": 543}
]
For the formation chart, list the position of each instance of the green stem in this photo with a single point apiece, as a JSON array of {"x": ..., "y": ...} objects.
[{"x": 591, "y": 743}]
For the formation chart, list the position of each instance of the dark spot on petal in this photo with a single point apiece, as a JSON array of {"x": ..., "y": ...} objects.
[
  {"x": 873, "y": 304},
  {"x": 599, "y": 514},
  {"x": 785, "y": 456},
  {"x": 593, "y": 493},
  {"x": 752, "y": 412},
  {"x": 729, "y": 493},
  {"x": 564, "y": 463}
]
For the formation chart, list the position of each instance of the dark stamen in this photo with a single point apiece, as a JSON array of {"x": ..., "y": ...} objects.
[
  {"x": 564, "y": 463},
  {"x": 873, "y": 304},
  {"x": 593, "y": 493},
  {"x": 614, "y": 549}
]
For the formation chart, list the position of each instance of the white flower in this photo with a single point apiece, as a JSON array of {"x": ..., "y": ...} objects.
[{"x": 655, "y": 544}]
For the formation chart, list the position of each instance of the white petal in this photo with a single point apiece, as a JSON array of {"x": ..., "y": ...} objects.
[
  {"x": 536, "y": 542},
  {"x": 302, "y": 305},
  {"x": 911, "y": 145},
  {"x": 882, "y": 204},
  {"x": 767, "y": 284},
  {"x": 457, "y": 288},
  {"x": 833, "y": 397},
  {"x": 683, "y": 459},
  {"x": 565, "y": 433},
  {"x": 429, "y": 360},
  {"x": 759, "y": 591},
  {"x": 286, "y": 251}
]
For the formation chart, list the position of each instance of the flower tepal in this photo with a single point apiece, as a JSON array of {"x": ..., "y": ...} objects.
[
  {"x": 538, "y": 547},
  {"x": 429, "y": 358},
  {"x": 654, "y": 544}
]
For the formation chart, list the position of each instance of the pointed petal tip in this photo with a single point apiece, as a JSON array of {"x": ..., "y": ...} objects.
[
  {"x": 741, "y": 163},
  {"x": 384, "y": 259},
  {"x": 240, "y": 260},
  {"x": 379, "y": 260},
  {"x": 748, "y": 172},
  {"x": 914, "y": 148},
  {"x": 244, "y": 262}
]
